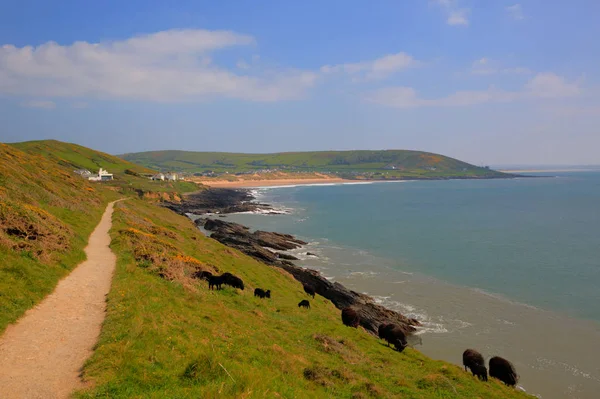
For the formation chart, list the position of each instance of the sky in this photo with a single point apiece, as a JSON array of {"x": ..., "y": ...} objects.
[{"x": 487, "y": 81}]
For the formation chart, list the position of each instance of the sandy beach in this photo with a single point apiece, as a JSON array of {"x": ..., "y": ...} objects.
[{"x": 270, "y": 182}]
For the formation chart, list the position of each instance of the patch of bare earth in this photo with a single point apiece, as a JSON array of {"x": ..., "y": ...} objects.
[{"x": 41, "y": 356}]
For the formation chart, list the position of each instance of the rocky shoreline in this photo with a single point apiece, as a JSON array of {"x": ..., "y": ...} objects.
[{"x": 269, "y": 247}]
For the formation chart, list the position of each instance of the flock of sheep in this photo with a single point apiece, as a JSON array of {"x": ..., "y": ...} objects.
[{"x": 500, "y": 368}]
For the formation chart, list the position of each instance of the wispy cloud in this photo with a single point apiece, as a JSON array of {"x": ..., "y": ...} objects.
[
  {"x": 172, "y": 65},
  {"x": 486, "y": 66},
  {"x": 44, "y": 104},
  {"x": 379, "y": 68},
  {"x": 545, "y": 85},
  {"x": 515, "y": 11},
  {"x": 456, "y": 15}
]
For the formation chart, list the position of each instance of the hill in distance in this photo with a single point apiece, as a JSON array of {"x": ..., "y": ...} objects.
[
  {"x": 128, "y": 176},
  {"x": 385, "y": 164}
]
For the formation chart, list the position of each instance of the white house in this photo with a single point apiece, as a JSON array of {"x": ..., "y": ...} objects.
[
  {"x": 158, "y": 176},
  {"x": 102, "y": 175},
  {"x": 171, "y": 176}
]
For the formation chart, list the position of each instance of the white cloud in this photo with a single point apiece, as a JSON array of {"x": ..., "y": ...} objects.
[
  {"x": 543, "y": 86},
  {"x": 549, "y": 85},
  {"x": 172, "y": 65},
  {"x": 38, "y": 104},
  {"x": 379, "y": 68},
  {"x": 515, "y": 11},
  {"x": 456, "y": 16},
  {"x": 485, "y": 66}
]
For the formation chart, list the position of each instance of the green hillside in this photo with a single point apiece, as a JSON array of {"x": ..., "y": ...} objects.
[
  {"x": 374, "y": 164},
  {"x": 46, "y": 215},
  {"x": 166, "y": 335},
  {"x": 127, "y": 176}
]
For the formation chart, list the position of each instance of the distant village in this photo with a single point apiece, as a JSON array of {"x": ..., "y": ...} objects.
[{"x": 104, "y": 175}]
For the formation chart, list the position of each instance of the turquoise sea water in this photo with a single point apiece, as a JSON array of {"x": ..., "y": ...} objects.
[
  {"x": 511, "y": 267},
  {"x": 536, "y": 241}
]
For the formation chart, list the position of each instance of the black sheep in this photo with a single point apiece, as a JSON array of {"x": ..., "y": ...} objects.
[
  {"x": 215, "y": 281},
  {"x": 474, "y": 361},
  {"x": 350, "y": 317},
  {"x": 309, "y": 290},
  {"x": 396, "y": 336},
  {"x": 232, "y": 281},
  {"x": 503, "y": 370},
  {"x": 383, "y": 330},
  {"x": 203, "y": 275},
  {"x": 304, "y": 304},
  {"x": 262, "y": 293}
]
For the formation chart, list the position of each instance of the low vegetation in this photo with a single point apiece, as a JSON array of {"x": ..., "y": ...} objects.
[
  {"x": 166, "y": 335},
  {"x": 46, "y": 216},
  {"x": 389, "y": 164},
  {"x": 129, "y": 178}
]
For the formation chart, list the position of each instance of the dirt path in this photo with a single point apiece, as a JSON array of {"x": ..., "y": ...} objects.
[{"x": 42, "y": 354}]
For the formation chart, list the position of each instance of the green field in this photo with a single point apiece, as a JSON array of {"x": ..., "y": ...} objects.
[
  {"x": 166, "y": 335},
  {"x": 128, "y": 177},
  {"x": 350, "y": 164}
]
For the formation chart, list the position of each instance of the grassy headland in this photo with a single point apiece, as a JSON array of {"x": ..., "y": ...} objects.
[
  {"x": 388, "y": 164},
  {"x": 166, "y": 335}
]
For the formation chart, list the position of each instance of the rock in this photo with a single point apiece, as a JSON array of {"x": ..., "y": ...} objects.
[
  {"x": 311, "y": 254},
  {"x": 286, "y": 256}
]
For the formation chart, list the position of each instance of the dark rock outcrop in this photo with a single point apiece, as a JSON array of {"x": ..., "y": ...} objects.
[{"x": 217, "y": 200}]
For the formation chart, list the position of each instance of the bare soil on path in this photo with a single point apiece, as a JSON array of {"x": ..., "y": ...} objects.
[{"x": 41, "y": 355}]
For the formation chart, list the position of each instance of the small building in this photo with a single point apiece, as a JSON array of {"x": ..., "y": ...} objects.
[
  {"x": 171, "y": 177},
  {"x": 83, "y": 173},
  {"x": 158, "y": 176},
  {"x": 102, "y": 175}
]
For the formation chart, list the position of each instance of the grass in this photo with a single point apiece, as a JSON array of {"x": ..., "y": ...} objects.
[
  {"x": 348, "y": 164},
  {"x": 46, "y": 216},
  {"x": 47, "y": 213},
  {"x": 129, "y": 178},
  {"x": 167, "y": 336}
]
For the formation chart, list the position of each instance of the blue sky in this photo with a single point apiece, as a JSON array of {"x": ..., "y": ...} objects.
[{"x": 489, "y": 82}]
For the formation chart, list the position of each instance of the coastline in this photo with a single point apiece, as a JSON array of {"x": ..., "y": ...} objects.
[
  {"x": 263, "y": 246},
  {"x": 456, "y": 317},
  {"x": 268, "y": 182}
]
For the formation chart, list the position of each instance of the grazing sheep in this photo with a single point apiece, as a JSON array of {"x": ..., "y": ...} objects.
[
  {"x": 259, "y": 292},
  {"x": 232, "y": 281},
  {"x": 203, "y": 275},
  {"x": 474, "y": 361},
  {"x": 350, "y": 317},
  {"x": 215, "y": 281},
  {"x": 304, "y": 304},
  {"x": 309, "y": 290},
  {"x": 503, "y": 370},
  {"x": 394, "y": 335},
  {"x": 383, "y": 330}
]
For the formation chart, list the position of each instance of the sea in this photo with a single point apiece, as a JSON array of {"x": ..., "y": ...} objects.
[{"x": 510, "y": 267}]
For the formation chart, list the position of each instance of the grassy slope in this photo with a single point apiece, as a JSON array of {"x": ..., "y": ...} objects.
[
  {"x": 46, "y": 216},
  {"x": 170, "y": 337},
  {"x": 408, "y": 163},
  {"x": 166, "y": 335},
  {"x": 74, "y": 156}
]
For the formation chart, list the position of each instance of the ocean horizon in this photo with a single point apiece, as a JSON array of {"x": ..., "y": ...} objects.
[{"x": 507, "y": 266}]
